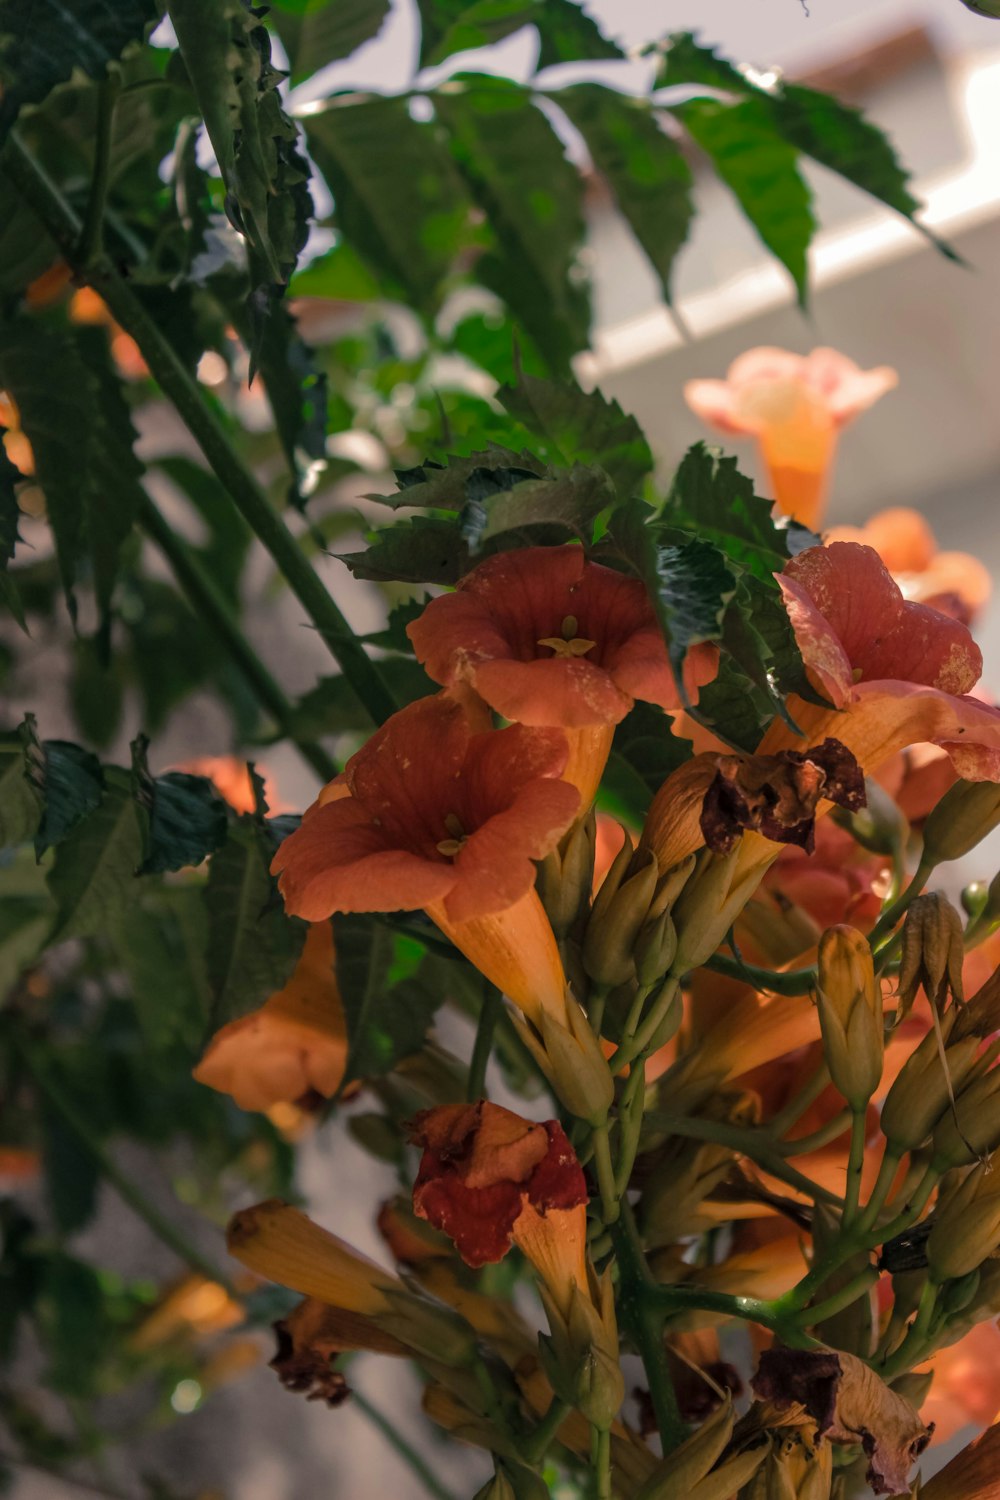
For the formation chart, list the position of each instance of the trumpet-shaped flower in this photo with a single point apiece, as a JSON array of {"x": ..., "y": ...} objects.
[
  {"x": 794, "y": 406},
  {"x": 953, "y": 582},
  {"x": 430, "y": 813},
  {"x": 296, "y": 1042},
  {"x": 547, "y": 638},
  {"x": 897, "y": 673}
]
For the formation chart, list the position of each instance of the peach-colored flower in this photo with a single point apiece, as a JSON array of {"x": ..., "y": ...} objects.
[
  {"x": 794, "y": 406},
  {"x": 489, "y": 1179},
  {"x": 15, "y": 442},
  {"x": 231, "y": 779},
  {"x": 443, "y": 817},
  {"x": 49, "y": 286},
  {"x": 88, "y": 306},
  {"x": 897, "y": 673},
  {"x": 295, "y": 1043},
  {"x": 547, "y": 638},
  {"x": 953, "y": 582},
  {"x": 191, "y": 1308}
]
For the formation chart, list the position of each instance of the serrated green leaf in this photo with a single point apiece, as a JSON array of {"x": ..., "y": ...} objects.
[
  {"x": 761, "y": 169},
  {"x": 435, "y": 485},
  {"x": 532, "y": 197},
  {"x": 734, "y": 707},
  {"x": 403, "y": 210},
  {"x": 44, "y": 42},
  {"x": 72, "y": 1319},
  {"x": 20, "y": 804},
  {"x": 10, "y": 515},
  {"x": 394, "y": 637},
  {"x": 642, "y": 165},
  {"x": 252, "y": 946},
  {"x": 160, "y": 944},
  {"x": 332, "y": 707},
  {"x": 644, "y": 753},
  {"x": 390, "y": 992},
  {"x": 566, "y": 32},
  {"x": 577, "y": 426},
  {"x": 570, "y": 502},
  {"x": 712, "y": 497},
  {"x": 227, "y": 53},
  {"x": 70, "y": 785},
  {"x": 93, "y": 875},
  {"x": 815, "y": 123},
  {"x": 186, "y": 819},
  {"x": 689, "y": 581},
  {"x": 315, "y": 33},
  {"x": 297, "y": 393},
  {"x": 422, "y": 549}
]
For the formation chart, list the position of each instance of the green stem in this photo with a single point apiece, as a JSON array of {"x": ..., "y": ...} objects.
[
  {"x": 796, "y": 1107},
  {"x": 913, "y": 1208},
  {"x": 644, "y": 1321},
  {"x": 855, "y": 1166},
  {"x": 178, "y": 385},
  {"x": 897, "y": 908},
  {"x": 538, "y": 1442},
  {"x": 837, "y": 1301},
  {"x": 803, "y": 1144},
  {"x": 883, "y": 1184},
  {"x": 76, "y": 1119},
  {"x": 214, "y": 610},
  {"x": 633, "y": 1046},
  {"x": 418, "y": 1465},
  {"x": 92, "y": 235},
  {"x": 914, "y": 1346},
  {"x": 489, "y": 1015},
  {"x": 674, "y": 1300},
  {"x": 796, "y": 982},
  {"x": 630, "y": 1124},
  {"x": 601, "y": 1457},
  {"x": 610, "y": 1200},
  {"x": 756, "y": 1144}
]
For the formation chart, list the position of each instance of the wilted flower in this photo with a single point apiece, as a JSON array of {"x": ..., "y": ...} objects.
[
  {"x": 794, "y": 406},
  {"x": 312, "y": 1336},
  {"x": 295, "y": 1043},
  {"x": 932, "y": 951},
  {"x": 849, "y": 1404},
  {"x": 953, "y": 582},
  {"x": 547, "y": 638},
  {"x": 440, "y": 816}
]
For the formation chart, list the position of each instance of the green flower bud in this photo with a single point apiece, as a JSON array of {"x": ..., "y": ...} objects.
[
  {"x": 779, "y": 928},
  {"x": 919, "y": 1096},
  {"x": 972, "y": 1128},
  {"x": 849, "y": 998},
  {"x": 428, "y": 1327},
  {"x": 655, "y": 948},
  {"x": 967, "y": 812},
  {"x": 620, "y": 908},
  {"x": 565, "y": 876},
  {"x": 719, "y": 887},
  {"x": 974, "y": 898},
  {"x": 580, "y": 1355},
  {"x": 967, "y": 1223},
  {"x": 694, "y": 1458},
  {"x": 981, "y": 1016},
  {"x": 932, "y": 952},
  {"x": 572, "y": 1060}
]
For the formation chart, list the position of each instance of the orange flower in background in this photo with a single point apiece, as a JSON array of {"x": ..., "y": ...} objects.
[
  {"x": 897, "y": 673},
  {"x": 794, "y": 405},
  {"x": 231, "y": 779},
  {"x": 440, "y": 816},
  {"x": 15, "y": 444},
  {"x": 489, "y": 1179},
  {"x": 549, "y": 639},
  {"x": 954, "y": 583},
  {"x": 88, "y": 306},
  {"x": 966, "y": 1386},
  {"x": 295, "y": 1043}
]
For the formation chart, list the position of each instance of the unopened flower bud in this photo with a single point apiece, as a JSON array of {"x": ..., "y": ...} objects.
[
  {"x": 693, "y": 1471},
  {"x": 966, "y": 1223},
  {"x": 512, "y": 1481},
  {"x": 620, "y": 908},
  {"x": 967, "y": 812},
  {"x": 497, "y": 1488},
  {"x": 972, "y": 1127},
  {"x": 717, "y": 890},
  {"x": 565, "y": 876},
  {"x": 981, "y": 1015},
  {"x": 428, "y": 1327},
  {"x": 880, "y": 826},
  {"x": 655, "y": 948},
  {"x": 920, "y": 1094},
  {"x": 574, "y": 1063},
  {"x": 849, "y": 998},
  {"x": 974, "y": 898},
  {"x": 932, "y": 951},
  {"x": 581, "y": 1355},
  {"x": 781, "y": 930}
]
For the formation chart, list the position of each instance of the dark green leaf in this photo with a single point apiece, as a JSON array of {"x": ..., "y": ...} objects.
[
  {"x": 93, "y": 876},
  {"x": 532, "y": 197},
  {"x": 227, "y": 52},
  {"x": 814, "y": 123},
  {"x": 10, "y": 514},
  {"x": 569, "y": 501},
  {"x": 70, "y": 783},
  {"x": 44, "y": 42},
  {"x": 71, "y": 1174},
  {"x": 761, "y": 169},
  {"x": 712, "y": 497},
  {"x": 404, "y": 209},
  {"x": 420, "y": 550},
  {"x": 734, "y": 707},
  {"x": 645, "y": 752},
  {"x": 20, "y": 804},
  {"x": 25, "y": 249},
  {"x": 578, "y": 426},
  {"x": 435, "y": 485},
  {"x": 185, "y": 816},
  {"x": 315, "y": 33},
  {"x": 642, "y": 165},
  {"x": 24, "y": 926},
  {"x": 297, "y": 392},
  {"x": 689, "y": 582},
  {"x": 332, "y": 707},
  {"x": 252, "y": 946},
  {"x": 566, "y": 32},
  {"x": 394, "y": 637},
  {"x": 160, "y": 943},
  {"x": 72, "y": 1319},
  {"x": 390, "y": 990},
  {"x": 20, "y": 1267}
]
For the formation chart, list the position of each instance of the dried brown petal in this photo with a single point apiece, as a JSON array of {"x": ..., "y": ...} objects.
[
  {"x": 849, "y": 1404},
  {"x": 312, "y": 1336},
  {"x": 973, "y": 1474},
  {"x": 778, "y": 794}
]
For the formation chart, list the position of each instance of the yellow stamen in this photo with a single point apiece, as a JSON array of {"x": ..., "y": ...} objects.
[{"x": 568, "y": 648}]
